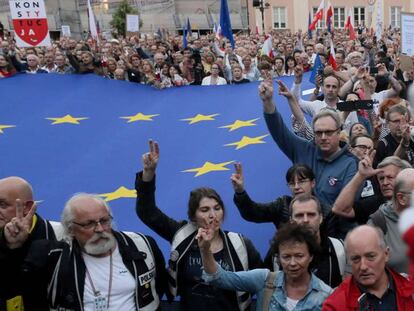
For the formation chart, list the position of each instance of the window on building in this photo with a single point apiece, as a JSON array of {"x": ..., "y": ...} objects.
[
  {"x": 395, "y": 17},
  {"x": 279, "y": 18},
  {"x": 339, "y": 18},
  {"x": 359, "y": 16},
  {"x": 321, "y": 23}
]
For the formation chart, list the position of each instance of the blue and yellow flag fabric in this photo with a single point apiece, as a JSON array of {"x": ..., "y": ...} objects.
[{"x": 81, "y": 133}]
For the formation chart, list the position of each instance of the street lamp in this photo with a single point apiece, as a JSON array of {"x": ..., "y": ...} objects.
[{"x": 261, "y": 5}]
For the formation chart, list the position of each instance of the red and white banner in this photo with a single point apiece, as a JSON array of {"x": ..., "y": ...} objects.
[{"x": 30, "y": 23}]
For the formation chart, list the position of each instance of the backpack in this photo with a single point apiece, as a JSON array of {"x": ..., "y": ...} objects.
[{"x": 269, "y": 289}]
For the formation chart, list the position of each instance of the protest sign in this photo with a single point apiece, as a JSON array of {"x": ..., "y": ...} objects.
[
  {"x": 30, "y": 23},
  {"x": 132, "y": 23},
  {"x": 407, "y": 33},
  {"x": 66, "y": 31}
]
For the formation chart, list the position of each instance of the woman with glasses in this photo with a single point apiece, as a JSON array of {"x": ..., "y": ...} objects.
[
  {"x": 205, "y": 207},
  {"x": 292, "y": 288}
]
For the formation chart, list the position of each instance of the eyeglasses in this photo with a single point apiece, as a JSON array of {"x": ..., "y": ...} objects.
[
  {"x": 327, "y": 133},
  {"x": 397, "y": 121},
  {"x": 300, "y": 183},
  {"x": 105, "y": 222},
  {"x": 363, "y": 147}
]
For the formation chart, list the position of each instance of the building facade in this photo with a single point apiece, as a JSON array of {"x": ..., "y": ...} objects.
[
  {"x": 172, "y": 14},
  {"x": 294, "y": 14}
]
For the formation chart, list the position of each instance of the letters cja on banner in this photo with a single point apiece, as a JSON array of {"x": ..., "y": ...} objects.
[{"x": 30, "y": 23}]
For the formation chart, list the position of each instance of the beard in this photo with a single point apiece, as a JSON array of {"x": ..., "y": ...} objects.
[{"x": 100, "y": 243}]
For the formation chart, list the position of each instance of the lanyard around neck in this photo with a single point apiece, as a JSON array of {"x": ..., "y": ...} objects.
[{"x": 97, "y": 293}]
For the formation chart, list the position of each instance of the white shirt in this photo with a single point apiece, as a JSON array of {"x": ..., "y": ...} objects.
[
  {"x": 313, "y": 107},
  {"x": 291, "y": 303},
  {"x": 207, "y": 81},
  {"x": 123, "y": 283}
]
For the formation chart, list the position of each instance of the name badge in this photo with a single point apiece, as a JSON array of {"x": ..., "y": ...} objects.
[{"x": 100, "y": 303}]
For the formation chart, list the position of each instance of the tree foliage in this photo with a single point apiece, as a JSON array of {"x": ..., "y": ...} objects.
[{"x": 118, "y": 22}]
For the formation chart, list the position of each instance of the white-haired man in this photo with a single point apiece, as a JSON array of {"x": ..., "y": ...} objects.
[{"x": 97, "y": 268}]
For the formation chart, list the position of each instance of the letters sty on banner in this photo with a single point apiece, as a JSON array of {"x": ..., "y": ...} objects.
[{"x": 30, "y": 23}]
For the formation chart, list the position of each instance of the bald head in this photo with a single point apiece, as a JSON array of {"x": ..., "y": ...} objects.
[
  {"x": 368, "y": 255},
  {"x": 17, "y": 185},
  {"x": 11, "y": 189},
  {"x": 373, "y": 234},
  {"x": 403, "y": 187}
]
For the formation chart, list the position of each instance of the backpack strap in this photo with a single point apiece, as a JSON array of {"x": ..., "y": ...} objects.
[
  {"x": 378, "y": 220},
  {"x": 340, "y": 253},
  {"x": 269, "y": 289}
]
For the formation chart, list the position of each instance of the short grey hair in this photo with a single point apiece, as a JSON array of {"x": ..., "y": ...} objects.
[
  {"x": 396, "y": 161},
  {"x": 67, "y": 216},
  {"x": 400, "y": 185},
  {"x": 328, "y": 113}
]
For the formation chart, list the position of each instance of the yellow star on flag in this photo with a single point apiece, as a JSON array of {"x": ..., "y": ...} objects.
[
  {"x": 209, "y": 167},
  {"x": 246, "y": 140},
  {"x": 239, "y": 124},
  {"x": 201, "y": 117},
  {"x": 119, "y": 193},
  {"x": 140, "y": 117},
  {"x": 5, "y": 127},
  {"x": 66, "y": 119}
]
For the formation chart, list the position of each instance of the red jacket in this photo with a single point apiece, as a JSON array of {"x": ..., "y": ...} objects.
[{"x": 345, "y": 297}]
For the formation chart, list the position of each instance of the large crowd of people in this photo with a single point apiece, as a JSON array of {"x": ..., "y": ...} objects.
[{"x": 337, "y": 245}]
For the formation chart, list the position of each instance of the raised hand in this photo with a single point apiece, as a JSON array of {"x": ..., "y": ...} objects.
[
  {"x": 205, "y": 235},
  {"x": 17, "y": 231},
  {"x": 382, "y": 70},
  {"x": 150, "y": 161},
  {"x": 266, "y": 90},
  {"x": 283, "y": 90},
  {"x": 237, "y": 179},
  {"x": 365, "y": 168},
  {"x": 298, "y": 74}
]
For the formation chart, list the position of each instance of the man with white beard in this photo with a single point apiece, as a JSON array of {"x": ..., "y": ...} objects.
[{"x": 95, "y": 268}]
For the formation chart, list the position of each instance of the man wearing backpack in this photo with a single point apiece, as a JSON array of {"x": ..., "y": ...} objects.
[{"x": 387, "y": 216}]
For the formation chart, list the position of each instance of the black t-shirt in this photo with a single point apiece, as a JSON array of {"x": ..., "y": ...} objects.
[
  {"x": 198, "y": 295},
  {"x": 364, "y": 208},
  {"x": 244, "y": 80},
  {"x": 387, "y": 146}
]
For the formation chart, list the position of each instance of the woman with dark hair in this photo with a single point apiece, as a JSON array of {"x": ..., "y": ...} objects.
[
  {"x": 290, "y": 64},
  {"x": 233, "y": 251},
  {"x": 176, "y": 77},
  {"x": 292, "y": 288},
  {"x": 299, "y": 178},
  {"x": 6, "y": 67}
]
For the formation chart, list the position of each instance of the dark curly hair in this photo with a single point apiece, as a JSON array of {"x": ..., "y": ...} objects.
[{"x": 296, "y": 233}]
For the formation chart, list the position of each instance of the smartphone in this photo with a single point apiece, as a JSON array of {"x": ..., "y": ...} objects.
[
  {"x": 373, "y": 70},
  {"x": 355, "y": 105}
]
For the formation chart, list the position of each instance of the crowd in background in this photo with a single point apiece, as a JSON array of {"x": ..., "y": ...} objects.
[{"x": 352, "y": 165}]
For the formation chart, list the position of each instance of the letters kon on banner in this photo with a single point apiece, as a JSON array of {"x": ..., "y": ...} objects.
[{"x": 30, "y": 23}]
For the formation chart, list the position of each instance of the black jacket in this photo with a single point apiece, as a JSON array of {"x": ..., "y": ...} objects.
[
  {"x": 166, "y": 227},
  {"x": 10, "y": 266},
  {"x": 45, "y": 256}
]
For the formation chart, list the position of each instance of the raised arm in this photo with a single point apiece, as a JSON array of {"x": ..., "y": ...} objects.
[
  {"x": 289, "y": 143},
  {"x": 146, "y": 207},
  {"x": 250, "y": 210},
  {"x": 344, "y": 203},
  {"x": 248, "y": 281}
]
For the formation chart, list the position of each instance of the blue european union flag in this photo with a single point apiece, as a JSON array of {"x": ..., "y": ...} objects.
[
  {"x": 82, "y": 133},
  {"x": 225, "y": 22},
  {"x": 317, "y": 66}
]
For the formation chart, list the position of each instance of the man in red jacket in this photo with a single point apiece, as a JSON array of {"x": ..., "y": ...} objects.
[{"x": 372, "y": 286}]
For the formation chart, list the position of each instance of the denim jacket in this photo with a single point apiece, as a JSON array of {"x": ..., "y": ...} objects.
[{"x": 253, "y": 281}]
